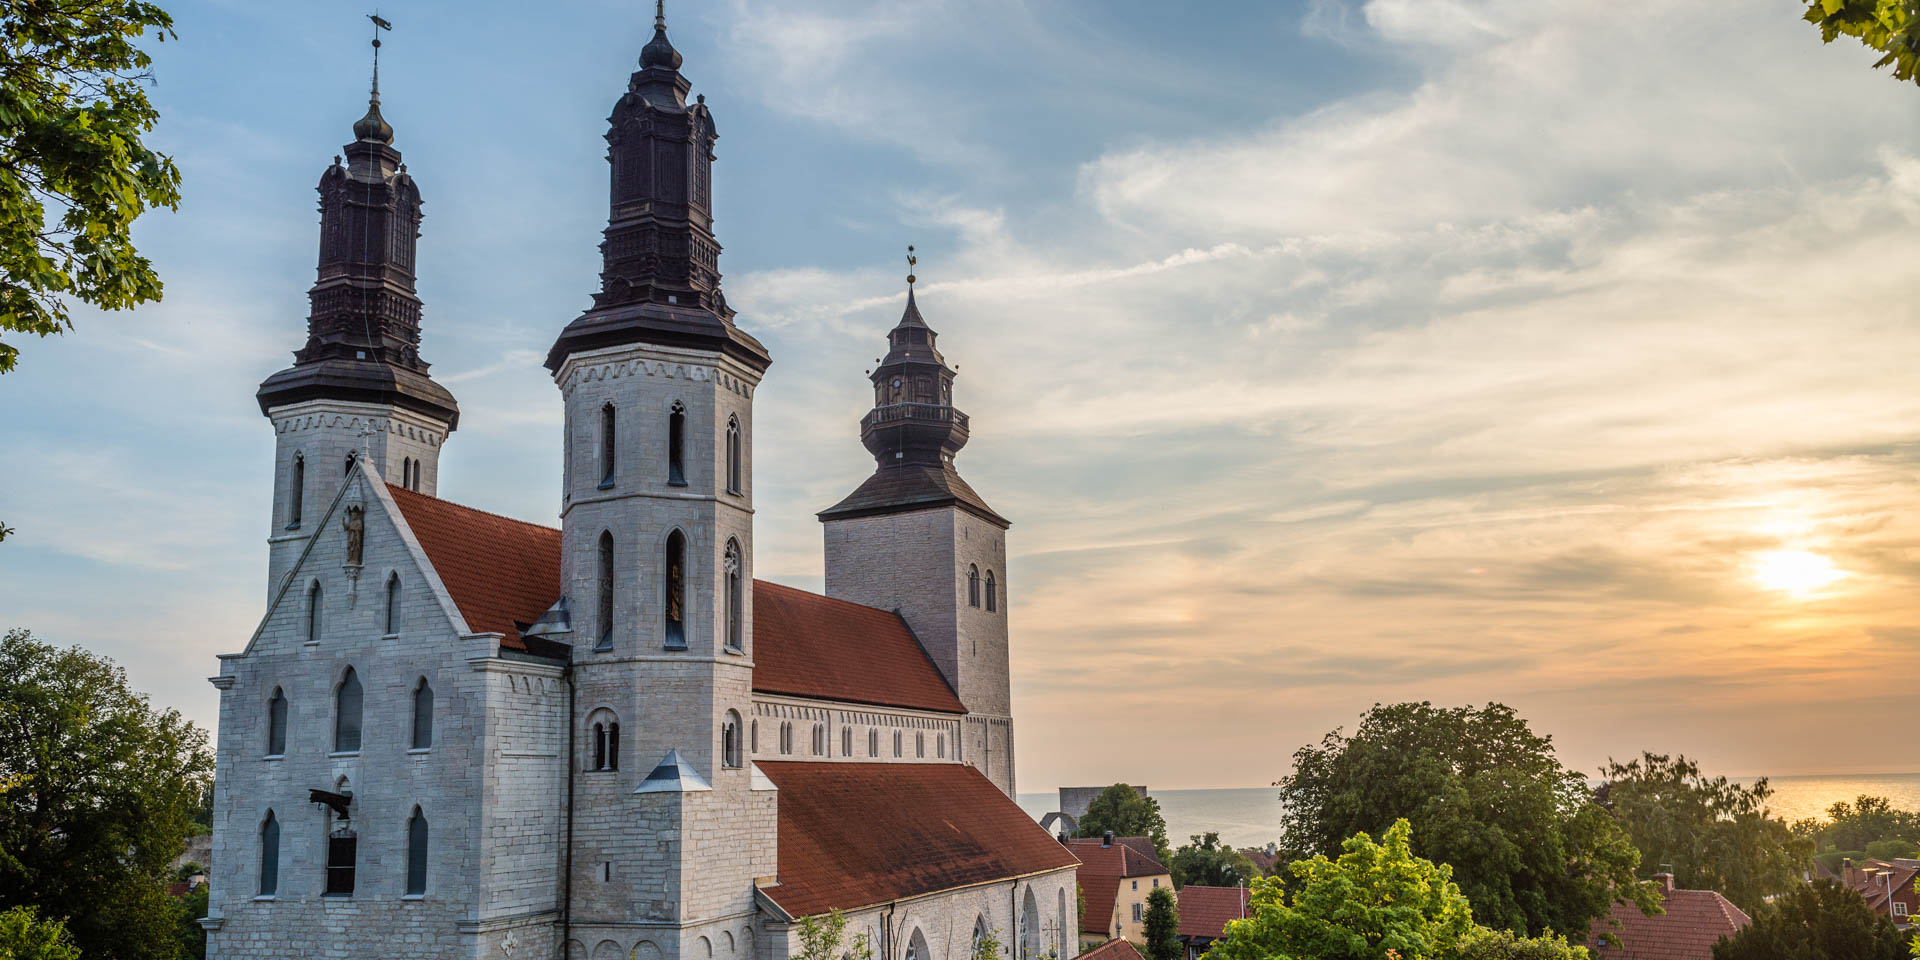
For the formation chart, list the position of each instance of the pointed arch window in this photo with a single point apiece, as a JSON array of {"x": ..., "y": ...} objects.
[
  {"x": 605, "y": 592},
  {"x": 609, "y": 446},
  {"x": 730, "y": 741},
  {"x": 392, "y": 613},
  {"x": 733, "y": 456},
  {"x": 347, "y": 703},
  {"x": 277, "y": 724},
  {"x": 422, "y": 715},
  {"x": 406, "y": 473},
  {"x": 736, "y": 603},
  {"x": 675, "y": 575},
  {"x": 677, "y": 445},
  {"x": 416, "y": 853},
  {"x": 992, "y": 591},
  {"x": 973, "y": 585},
  {"x": 351, "y": 459},
  {"x": 269, "y": 855},
  {"x": 313, "y": 613},
  {"x": 296, "y": 491}
]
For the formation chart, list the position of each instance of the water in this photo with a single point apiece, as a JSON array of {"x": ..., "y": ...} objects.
[{"x": 1250, "y": 817}]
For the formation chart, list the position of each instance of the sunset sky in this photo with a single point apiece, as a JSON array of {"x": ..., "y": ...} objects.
[{"x": 1555, "y": 353}]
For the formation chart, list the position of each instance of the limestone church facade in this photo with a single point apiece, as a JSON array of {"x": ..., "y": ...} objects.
[{"x": 459, "y": 735}]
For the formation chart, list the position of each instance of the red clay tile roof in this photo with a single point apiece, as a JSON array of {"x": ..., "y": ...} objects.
[
  {"x": 1112, "y": 950},
  {"x": 856, "y": 834},
  {"x": 499, "y": 571},
  {"x": 1204, "y": 911},
  {"x": 813, "y": 646},
  {"x": 1101, "y": 870},
  {"x": 1865, "y": 879},
  {"x": 1695, "y": 920},
  {"x": 503, "y": 572}
]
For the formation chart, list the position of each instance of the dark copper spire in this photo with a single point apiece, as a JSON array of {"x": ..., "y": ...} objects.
[
  {"x": 660, "y": 262},
  {"x": 913, "y": 430},
  {"x": 363, "y": 326}
]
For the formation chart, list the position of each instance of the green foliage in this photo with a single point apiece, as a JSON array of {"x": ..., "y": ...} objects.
[
  {"x": 1713, "y": 834},
  {"x": 24, "y": 936},
  {"x": 822, "y": 938},
  {"x": 1485, "y": 795},
  {"x": 1816, "y": 921},
  {"x": 1122, "y": 811},
  {"x": 1484, "y": 944},
  {"x": 1834, "y": 859},
  {"x": 1210, "y": 863},
  {"x": 1377, "y": 900},
  {"x": 75, "y": 173},
  {"x": 1892, "y": 849},
  {"x": 1163, "y": 926},
  {"x": 4, "y": 530},
  {"x": 97, "y": 791},
  {"x": 187, "y": 913},
  {"x": 1853, "y": 827},
  {"x": 1891, "y": 27},
  {"x": 987, "y": 945}
]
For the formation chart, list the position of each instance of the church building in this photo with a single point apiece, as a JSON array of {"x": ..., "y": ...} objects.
[{"x": 456, "y": 735}]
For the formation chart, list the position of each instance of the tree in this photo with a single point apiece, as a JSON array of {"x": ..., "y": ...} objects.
[
  {"x": 1163, "y": 926},
  {"x": 987, "y": 945},
  {"x": 1817, "y": 921},
  {"x": 1891, "y": 27},
  {"x": 1486, "y": 795},
  {"x": 1852, "y": 827},
  {"x": 821, "y": 938},
  {"x": 97, "y": 798},
  {"x": 1210, "y": 863},
  {"x": 75, "y": 174},
  {"x": 1125, "y": 812},
  {"x": 1710, "y": 833},
  {"x": 24, "y": 936},
  {"x": 1484, "y": 944},
  {"x": 187, "y": 913}
]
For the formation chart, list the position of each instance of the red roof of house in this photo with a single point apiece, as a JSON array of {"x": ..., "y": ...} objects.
[
  {"x": 1204, "y": 911},
  {"x": 1102, "y": 867},
  {"x": 856, "y": 834},
  {"x": 814, "y": 646},
  {"x": 1112, "y": 950},
  {"x": 503, "y": 572},
  {"x": 500, "y": 572},
  {"x": 1695, "y": 920},
  {"x": 1867, "y": 879}
]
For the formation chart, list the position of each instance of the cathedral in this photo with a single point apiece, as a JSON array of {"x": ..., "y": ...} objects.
[{"x": 459, "y": 735}]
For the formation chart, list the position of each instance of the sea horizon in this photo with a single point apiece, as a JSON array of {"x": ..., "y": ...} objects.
[{"x": 1250, "y": 816}]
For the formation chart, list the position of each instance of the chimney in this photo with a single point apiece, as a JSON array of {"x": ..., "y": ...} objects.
[
  {"x": 1665, "y": 880},
  {"x": 1107, "y": 841},
  {"x": 1846, "y": 871}
]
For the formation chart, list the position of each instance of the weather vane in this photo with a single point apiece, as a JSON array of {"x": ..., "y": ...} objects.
[
  {"x": 379, "y": 23},
  {"x": 912, "y": 262}
]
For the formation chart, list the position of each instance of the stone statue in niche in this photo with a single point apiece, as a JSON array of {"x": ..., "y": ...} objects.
[{"x": 356, "y": 527}]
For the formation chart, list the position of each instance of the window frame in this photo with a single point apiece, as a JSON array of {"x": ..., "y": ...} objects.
[
  {"x": 267, "y": 880},
  {"x": 392, "y": 614},
  {"x": 991, "y": 589},
  {"x": 609, "y": 445},
  {"x": 734, "y": 563},
  {"x": 297, "y": 491},
  {"x": 606, "y": 585},
  {"x": 277, "y": 723},
  {"x": 422, "y": 698},
  {"x": 736, "y": 481},
  {"x": 419, "y": 847},
  {"x": 973, "y": 585},
  {"x": 673, "y": 611},
  {"x": 677, "y": 445},
  {"x": 348, "y": 677}
]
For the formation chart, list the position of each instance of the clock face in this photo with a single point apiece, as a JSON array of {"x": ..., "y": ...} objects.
[{"x": 896, "y": 383}]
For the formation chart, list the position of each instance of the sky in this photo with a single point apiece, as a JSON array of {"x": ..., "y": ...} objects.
[{"x": 1323, "y": 353}]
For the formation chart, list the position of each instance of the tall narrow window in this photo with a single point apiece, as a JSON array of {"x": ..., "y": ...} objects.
[
  {"x": 313, "y": 613},
  {"x": 846, "y": 741},
  {"x": 608, "y": 446},
  {"x": 992, "y": 593},
  {"x": 898, "y": 739},
  {"x": 599, "y": 746},
  {"x": 351, "y": 458},
  {"x": 606, "y": 745},
  {"x": 873, "y": 743},
  {"x": 973, "y": 585},
  {"x": 675, "y": 575},
  {"x": 920, "y": 746},
  {"x": 406, "y": 473},
  {"x": 392, "y": 616},
  {"x": 733, "y": 455},
  {"x": 736, "y": 613},
  {"x": 296, "y": 490},
  {"x": 786, "y": 738},
  {"x": 422, "y": 715},
  {"x": 277, "y": 724},
  {"x": 754, "y": 741},
  {"x": 269, "y": 855},
  {"x": 346, "y": 714},
  {"x": 342, "y": 852},
  {"x": 606, "y": 592},
  {"x": 730, "y": 740},
  {"x": 819, "y": 739},
  {"x": 416, "y": 853},
  {"x": 677, "y": 445},
  {"x": 940, "y": 746}
]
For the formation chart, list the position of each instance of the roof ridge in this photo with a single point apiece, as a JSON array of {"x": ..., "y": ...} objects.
[
  {"x": 485, "y": 513},
  {"x": 757, "y": 582}
]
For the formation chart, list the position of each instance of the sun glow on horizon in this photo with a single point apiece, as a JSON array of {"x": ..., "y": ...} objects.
[{"x": 1795, "y": 571}]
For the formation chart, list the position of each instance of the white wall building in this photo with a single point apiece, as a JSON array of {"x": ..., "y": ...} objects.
[{"x": 458, "y": 735}]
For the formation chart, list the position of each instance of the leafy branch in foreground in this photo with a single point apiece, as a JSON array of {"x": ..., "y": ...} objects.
[
  {"x": 74, "y": 173},
  {"x": 1890, "y": 26}
]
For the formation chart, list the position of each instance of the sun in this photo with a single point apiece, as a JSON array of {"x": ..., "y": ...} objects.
[{"x": 1794, "y": 571}]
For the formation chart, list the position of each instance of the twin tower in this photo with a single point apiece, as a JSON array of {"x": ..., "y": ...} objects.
[{"x": 658, "y": 383}]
